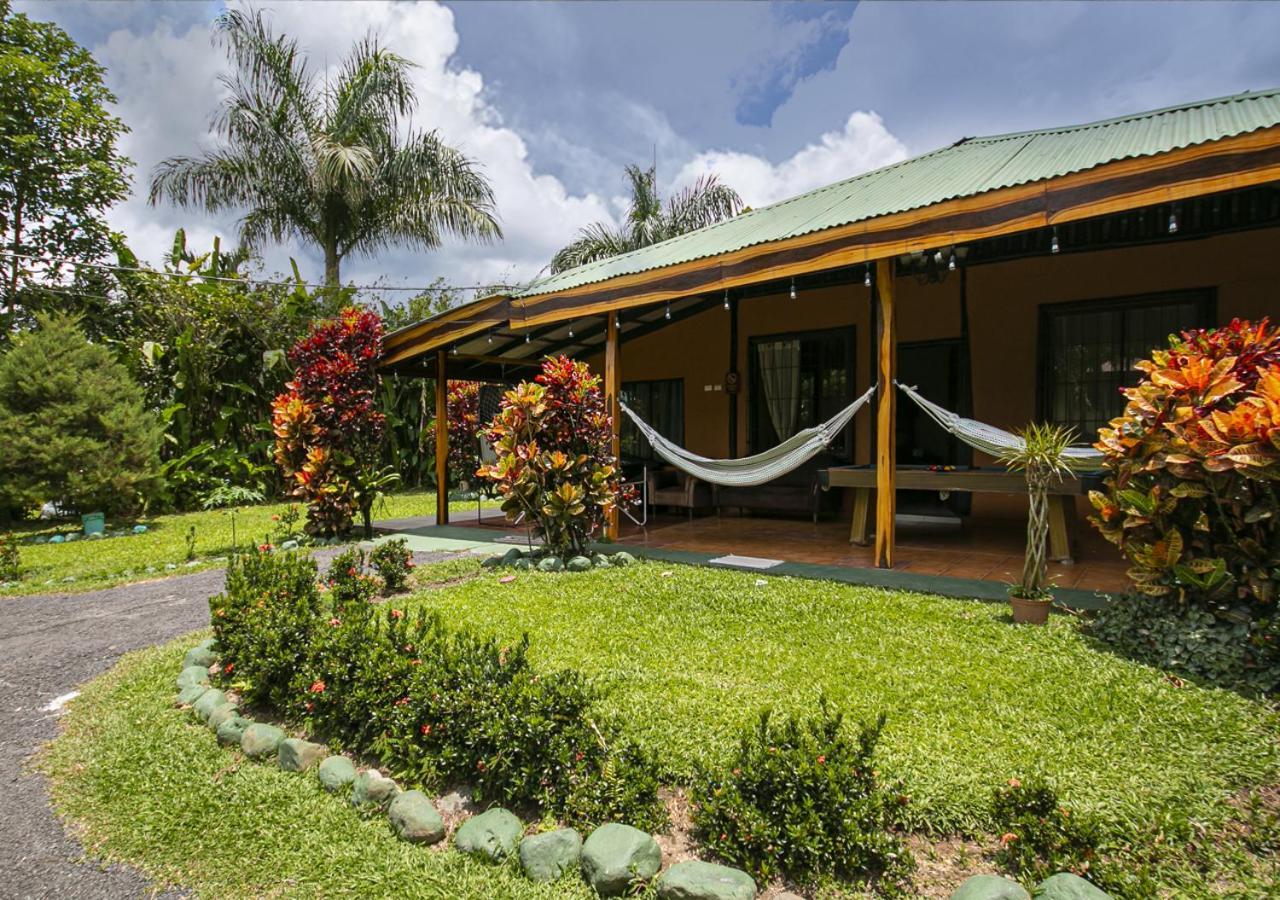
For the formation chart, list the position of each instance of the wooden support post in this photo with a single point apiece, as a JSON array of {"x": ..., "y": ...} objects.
[
  {"x": 612, "y": 388},
  {"x": 886, "y": 416},
  {"x": 442, "y": 439}
]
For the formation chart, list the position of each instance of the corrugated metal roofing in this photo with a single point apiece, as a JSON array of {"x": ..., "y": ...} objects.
[{"x": 964, "y": 169}]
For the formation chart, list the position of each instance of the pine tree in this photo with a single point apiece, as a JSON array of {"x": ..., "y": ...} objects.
[{"x": 73, "y": 427}]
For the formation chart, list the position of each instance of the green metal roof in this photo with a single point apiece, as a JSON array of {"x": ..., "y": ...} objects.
[{"x": 969, "y": 167}]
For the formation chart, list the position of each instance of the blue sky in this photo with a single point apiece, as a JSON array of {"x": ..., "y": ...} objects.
[{"x": 555, "y": 98}]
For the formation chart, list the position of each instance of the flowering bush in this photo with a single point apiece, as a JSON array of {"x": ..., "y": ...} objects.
[
  {"x": 552, "y": 437},
  {"x": 1038, "y": 835},
  {"x": 802, "y": 799},
  {"x": 1191, "y": 499},
  {"x": 431, "y": 703},
  {"x": 327, "y": 424},
  {"x": 264, "y": 620},
  {"x": 393, "y": 561}
]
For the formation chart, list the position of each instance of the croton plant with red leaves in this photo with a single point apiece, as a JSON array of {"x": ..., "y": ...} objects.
[
  {"x": 463, "y": 410},
  {"x": 327, "y": 424},
  {"x": 1193, "y": 498},
  {"x": 552, "y": 437}
]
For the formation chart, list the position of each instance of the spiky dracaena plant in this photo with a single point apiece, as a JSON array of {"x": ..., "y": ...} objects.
[
  {"x": 1041, "y": 458},
  {"x": 325, "y": 161}
]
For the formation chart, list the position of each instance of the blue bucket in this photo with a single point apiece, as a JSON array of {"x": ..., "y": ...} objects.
[{"x": 94, "y": 523}]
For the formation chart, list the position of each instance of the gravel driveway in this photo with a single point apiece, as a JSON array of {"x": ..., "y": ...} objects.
[{"x": 49, "y": 644}]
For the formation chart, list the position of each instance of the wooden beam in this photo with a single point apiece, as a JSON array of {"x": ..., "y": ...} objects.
[
  {"x": 442, "y": 439},
  {"x": 886, "y": 417},
  {"x": 612, "y": 389}
]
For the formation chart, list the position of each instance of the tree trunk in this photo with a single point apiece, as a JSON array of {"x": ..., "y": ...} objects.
[
  {"x": 1033, "y": 568},
  {"x": 331, "y": 262},
  {"x": 10, "y": 319}
]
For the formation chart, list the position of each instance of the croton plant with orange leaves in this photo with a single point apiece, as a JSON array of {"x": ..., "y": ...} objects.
[
  {"x": 1193, "y": 496},
  {"x": 327, "y": 425}
]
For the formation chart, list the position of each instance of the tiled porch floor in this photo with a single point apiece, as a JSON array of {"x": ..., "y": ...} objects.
[{"x": 984, "y": 549}]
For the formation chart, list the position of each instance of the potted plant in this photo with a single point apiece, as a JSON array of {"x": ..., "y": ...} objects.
[{"x": 1041, "y": 458}]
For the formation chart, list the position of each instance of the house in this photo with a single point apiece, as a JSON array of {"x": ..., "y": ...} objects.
[{"x": 1008, "y": 278}]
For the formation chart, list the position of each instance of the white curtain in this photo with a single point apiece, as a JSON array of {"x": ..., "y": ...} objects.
[{"x": 780, "y": 377}]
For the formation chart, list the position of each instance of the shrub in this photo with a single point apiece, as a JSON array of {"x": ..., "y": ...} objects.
[
  {"x": 327, "y": 425},
  {"x": 1191, "y": 499},
  {"x": 802, "y": 799},
  {"x": 463, "y": 411},
  {"x": 10, "y": 558},
  {"x": 1039, "y": 836},
  {"x": 263, "y": 622},
  {"x": 552, "y": 438},
  {"x": 433, "y": 704},
  {"x": 393, "y": 561},
  {"x": 75, "y": 429},
  {"x": 1041, "y": 459},
  {"x": 1229, "y": 651}
]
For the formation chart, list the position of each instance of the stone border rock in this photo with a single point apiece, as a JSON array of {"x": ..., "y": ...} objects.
[{"x": 615, "y": 858}]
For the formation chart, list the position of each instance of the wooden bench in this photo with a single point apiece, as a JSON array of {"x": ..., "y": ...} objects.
[{"x": 998, "y": 481}]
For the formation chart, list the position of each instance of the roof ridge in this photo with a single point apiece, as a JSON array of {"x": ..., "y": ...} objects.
[{"x": 1127, "y": 117}]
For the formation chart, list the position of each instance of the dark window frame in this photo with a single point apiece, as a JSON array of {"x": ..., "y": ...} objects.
[
  {"x": 678, "y": 384},
  {"x": 1206, "y": 298},
  {"x": 848, "y": 333}
]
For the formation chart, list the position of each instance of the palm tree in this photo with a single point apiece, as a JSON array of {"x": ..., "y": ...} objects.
[
  {"x": 323, "y": 161},
  {"x": 648, "y": 220}
]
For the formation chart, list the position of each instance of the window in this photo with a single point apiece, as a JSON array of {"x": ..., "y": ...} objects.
[
  {"x": 661, "y": 404},
  {"x": 799, "y": 381},
  {"x": 1088, "y": 352}
]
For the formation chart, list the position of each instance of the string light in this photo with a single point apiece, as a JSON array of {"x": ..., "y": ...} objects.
[
  {"x": 951, "y": 264},
  {"x": 453, "y": 351},
  {"x": 1053, "y": 244},
  {"x": 667, "y": 314},
  {"x": 937, "y": 258},
  {"x": 793, "y": 289},
  {"x": 490, "y": 337},
  {"x": 570, "y": 331},
  {"x": 526, "y": 337},
  {"x": 866, "y": 279},
  {"x": 1173, "y": 223},
  {"x": 726, "y": 298}
]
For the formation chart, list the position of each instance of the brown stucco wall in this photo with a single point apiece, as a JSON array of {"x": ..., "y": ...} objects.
[{"x": 1003, "y": 301}]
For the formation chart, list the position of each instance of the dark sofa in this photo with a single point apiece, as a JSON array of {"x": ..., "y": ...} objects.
[{"x": 796, "y": 492}]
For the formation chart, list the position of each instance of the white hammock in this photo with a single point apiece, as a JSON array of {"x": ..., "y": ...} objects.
[
  {"x": 996, "y": 441},
  {"x": 758, "y": 469}
]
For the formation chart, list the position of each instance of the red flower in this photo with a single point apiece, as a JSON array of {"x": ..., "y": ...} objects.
[
  {"x": 317, "y": 686},
  {"x": 335, "y": 622},
  {"x": 397, "y": 614},
  {"x": 425, "y": 729},
  {"x": 480, "y": 765},
  {"x": 822, "y": 760},
  {"x": 228, "y": 668},
  {"x": 1007, "y": 838},
  {"x": 1015, "y": 783},
  {"x": 264, "y": 548},
  {"x": 403, "y": 701}
]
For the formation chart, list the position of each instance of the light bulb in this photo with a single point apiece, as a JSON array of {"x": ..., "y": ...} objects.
[
  {"x": 453, "y": 351},
  {"x": 866, "y": 279},
  {"x": 793, "y": 289},
  {"x": 937, "y": 258},
  {"x": 1053, "y": 244},
  {"x": 490, "y": 337},
  {"x": 726, "y": 298},
  {"x": 570, "y": 331},
  {"x": 951, "y": 264},
  {"x": 526, "y": 337},
  {"x": 667, "y": 315},
  {"x": 1173, "y": 223}
]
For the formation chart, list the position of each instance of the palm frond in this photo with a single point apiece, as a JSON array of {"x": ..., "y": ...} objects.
[
  {"x": 702, "y": 203},
  {"x": 594, "y": 242}
]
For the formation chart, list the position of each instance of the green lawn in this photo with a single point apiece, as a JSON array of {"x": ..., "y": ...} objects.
[
  {"x": 689, "y": 655},
  {"x": 692, "y": 654},
  {"x": 153, "y": 788},
  {"x": 82, "y": 565}
]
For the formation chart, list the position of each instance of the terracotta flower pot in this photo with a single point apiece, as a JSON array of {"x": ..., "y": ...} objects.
[{"x": 1030, "y": 612}]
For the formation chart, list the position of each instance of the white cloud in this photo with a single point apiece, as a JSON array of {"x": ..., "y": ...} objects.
[
  {"x": 165, "y": 74},
  {"x": 167, "y": 88},
  {"x": 863, "y": 144}
]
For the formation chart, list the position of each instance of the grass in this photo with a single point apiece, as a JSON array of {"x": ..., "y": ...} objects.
[
  {"x": 690, "y": 656},
  {"x": 84, "y": 565},
  {"x": 150, "y": 787}
]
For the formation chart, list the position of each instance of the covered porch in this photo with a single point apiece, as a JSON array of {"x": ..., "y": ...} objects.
[{"x": 1025, "y": 292}]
